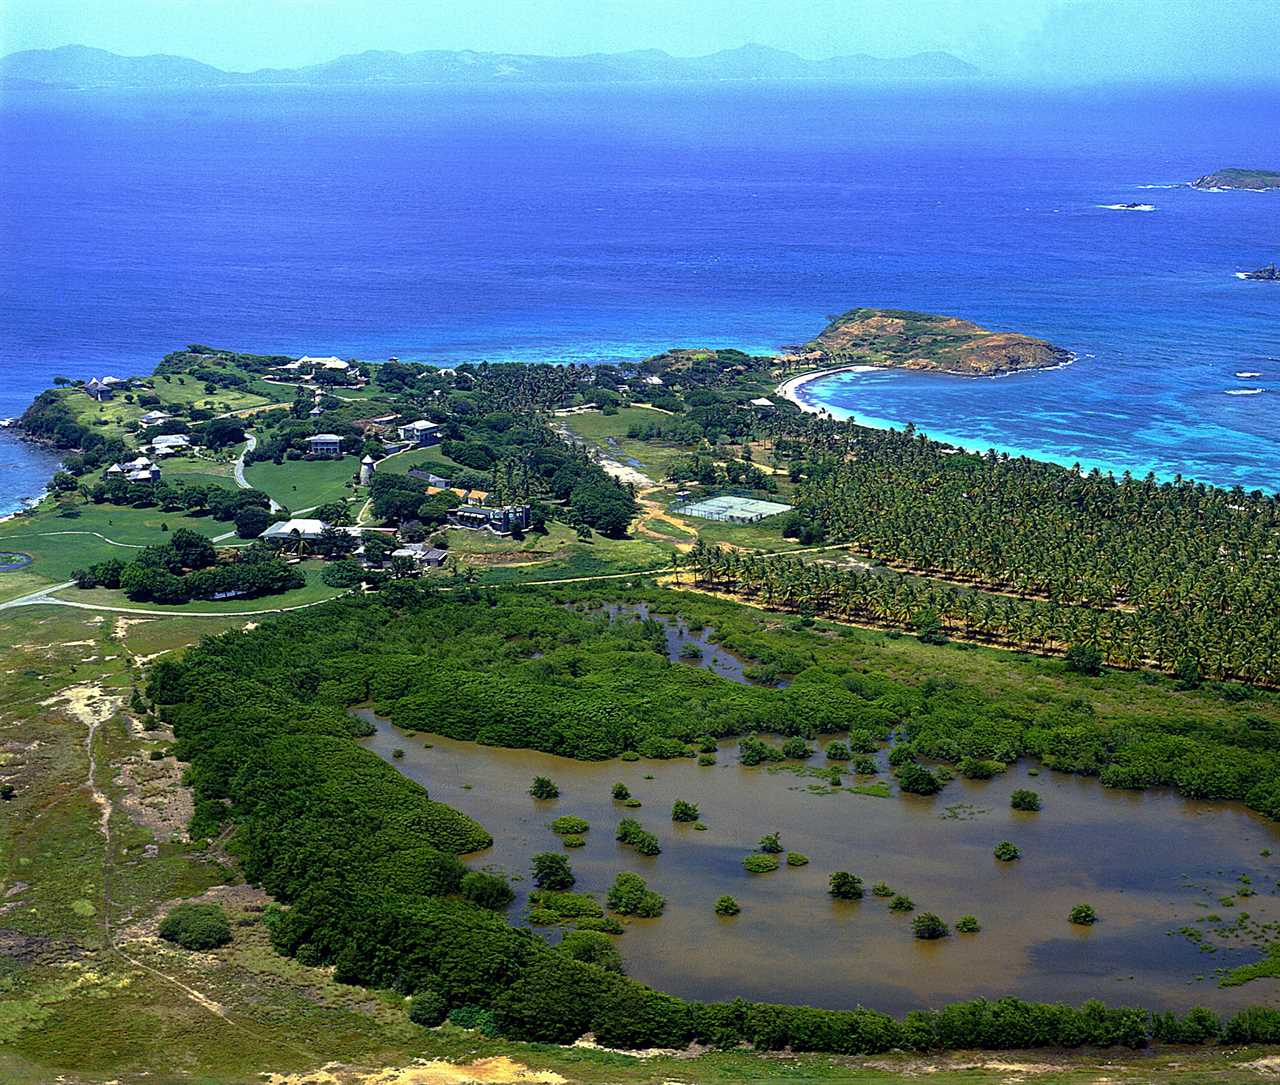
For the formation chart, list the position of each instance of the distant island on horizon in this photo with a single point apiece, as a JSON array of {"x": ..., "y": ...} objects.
[{"x": 80, "y": 66}]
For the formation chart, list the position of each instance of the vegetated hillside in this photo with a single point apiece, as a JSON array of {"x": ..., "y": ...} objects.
[
  {"x": 1234, "y": 177},
  {"x": 79, "y": 66},
  {"x": 898, "y": 337},
  {"x": 365, "y": 864}
]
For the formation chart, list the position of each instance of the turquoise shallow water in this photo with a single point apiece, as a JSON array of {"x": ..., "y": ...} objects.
[{"x": 551, "y": 223}]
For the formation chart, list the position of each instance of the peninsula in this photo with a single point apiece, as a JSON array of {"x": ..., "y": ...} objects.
[
  {"x": 910, "y": 340},
  {"x": 1247, "y": 180}
]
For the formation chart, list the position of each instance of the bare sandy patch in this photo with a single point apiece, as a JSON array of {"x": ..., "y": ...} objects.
[
  {"x": 86, "y": 702},
  {"x": 498, "y": 1070},
  {"x": 154, "y": 798}
]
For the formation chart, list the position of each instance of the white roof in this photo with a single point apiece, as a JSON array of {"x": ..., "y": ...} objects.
[
  {"x": 140, "y": 475},
  {"x": 421, "y": 423},
  {"x": 304, "y": 527},
  {"x": 763, "y": 401},
  {"x": 171, "y": 440},
  {"x": 155, "y": 416},
  {"x": 324, "y": 437},
  {"x": 653, "y": 380},
  {"x": 330, "y": 362}
]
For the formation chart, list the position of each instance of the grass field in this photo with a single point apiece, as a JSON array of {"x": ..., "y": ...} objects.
[
  {"x": 110, "y": 416},
  {"x": 654, "y": 458},
  {"x": 303, "y": 484},
  {"x": 430, "y": 458},
  {"x": 59, "y": 544}
]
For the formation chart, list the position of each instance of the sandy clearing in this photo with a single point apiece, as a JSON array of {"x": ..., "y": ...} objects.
[{"x": 498, "y": 1070}]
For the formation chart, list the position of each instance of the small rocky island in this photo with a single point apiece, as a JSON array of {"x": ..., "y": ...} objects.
[
  {"x": 1268, "y": 274},
  {"x": 947, "y": 344},
  {"x": 1246, "y": 180}
]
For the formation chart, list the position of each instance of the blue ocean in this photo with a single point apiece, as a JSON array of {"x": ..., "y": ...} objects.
[{"x": 556, "y": 223}]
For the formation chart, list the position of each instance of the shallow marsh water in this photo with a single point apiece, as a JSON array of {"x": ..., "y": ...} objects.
[{"x": 1149, "y": 862}]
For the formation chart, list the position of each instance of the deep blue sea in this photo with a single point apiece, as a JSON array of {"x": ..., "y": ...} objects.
[{"x": 598, "y": 223}]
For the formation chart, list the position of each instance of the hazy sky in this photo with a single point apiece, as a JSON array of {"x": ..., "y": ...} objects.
[{"x": 1079, "y": 39}]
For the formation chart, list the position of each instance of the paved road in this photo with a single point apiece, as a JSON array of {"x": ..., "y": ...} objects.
[{"x": 250, "y": 443}]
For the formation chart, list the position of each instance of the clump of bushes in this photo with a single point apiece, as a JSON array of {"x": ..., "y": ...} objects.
[
  {"x": 428, "y": 1008},
  {"x": 196, "y": 926},
  {"x": 968, "y": 924},
  {"x": 727, "y": 906},
  {"x": 881, "y": 889},
  {"x": 605, "y": 924},
  {"x": 794, "y": 858},
  {"x": 633, "y": 833},
  {"x": 1025, "y": 799},
  {"x": 927, "y": 926},
  {"x": 573, "y": 841},
  {"x": 629, "y": 895},
  {"x": 570, "y": 825},
  {"x": 760, "y": 864},
  {"x": 845, "y": 886},
  {"x": 1084, "y": 659},
  {"x": 838, "y": 751},
  {"x": 542, "y": 788},
  {"x": 976, "y": 768},
  {"x": 621, "y": 792},
  {"x": 566, "y": 905},
  {"x": 592, "y": 947},
  {"x": 755, "y": 751},
  {"x": 706, "y": 760},
  {"x": 902, "y": 903},
  {"x": 1083, "y": 914},
  {"x": 684, "y": 811},
  {"x": 771, "y": 844},
  {"x": 796, "y": 749},
  {"x": 865, "y": 765},
  {"x": 632, "y": 804},
  {"x": 915, "y": 779},
  {"x": 490, "y": 891},
  {"x": 552, "y": 871},
  {"x": 1006, "y": 851}
]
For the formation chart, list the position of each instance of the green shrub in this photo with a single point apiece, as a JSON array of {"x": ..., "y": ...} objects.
[
  {"x": 631, "y": 832},
  {"x": 880, "y": 889},
  {"x": 975, "y": 768},
  {"x": 902, "y": 903},
  {"x": 570, "y": 825},
  {"x": 684, "y": 811},
  {"x": 754, "y": 751},
  {"x": 727, "y": 906},
  {"x": 632, "y": 804},
  {"x": 845, "y": 886},
  {"x": 629, "y": 895},
  {"x": 1083, "y": 914},
  {"x": 864, "y": 765},
  {"x": 928, "y": 926},
  {"x": 542, "y": 788},
  {"x": 490, "y": 891},
  {"x": 915, "y": 779},
  {"x": 564, "y": 904},
  {"x": 794, "y": 858},
  {"x": 838, "y": 751},
  {"x": 796, "y": 749},
  {"x": 1083, "y": 659},
  {"x": 542, "y": 917},
  {"x": 606, "y": 924},
  {"x": 552, "y": 871},
  {"x": 771, "y": 844},
  {"x": 629, "y": 755},
  {"x": 621, "y": 792},
  {"x": 196, "y": 926},
  {"x": 474, "y": 1017},
  {"x": 573, "y": 841},
  {"x": 428, "y": 1008},
  {"x": 968, "y": 924},
  {"x": 592, "y": 947},
  {"x": 1006, "y": 851},
  {"x": 1025, "y": 799},
  {"x": 760, "y": 864},
  {"x": 706, "y": 760}
]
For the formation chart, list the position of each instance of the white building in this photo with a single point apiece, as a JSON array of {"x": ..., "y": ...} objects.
[{"x": 420, "y": 432}]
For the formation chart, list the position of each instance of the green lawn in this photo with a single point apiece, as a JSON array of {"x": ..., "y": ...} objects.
[
  {"x": 432, "y": 459},
  {"x": 201, "y": 469},
  {"x": 654, "y": 457},
  {"x": 303, "y": 484},
  {"x": 60, "y": 544},
  {"x": 110, "y": 416},
  {"x": 314, "y": 591}
]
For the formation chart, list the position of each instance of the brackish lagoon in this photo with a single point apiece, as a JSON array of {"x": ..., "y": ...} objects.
[{"x": 1150, "y": 862}]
